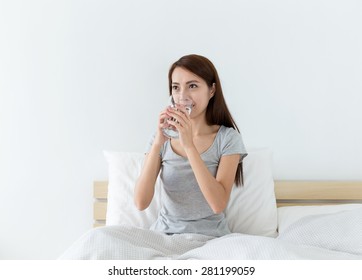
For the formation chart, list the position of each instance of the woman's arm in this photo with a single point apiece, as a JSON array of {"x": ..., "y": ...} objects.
[
  {"x": 215, "y": 190},
  {"x": 145, "y": 185}
]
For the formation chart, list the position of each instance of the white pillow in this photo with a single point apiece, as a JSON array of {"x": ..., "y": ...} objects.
[
  {"x": 251, "y": 209},
  {"x": 290, "y": 214},
  {"x": 123, "y": 171}
]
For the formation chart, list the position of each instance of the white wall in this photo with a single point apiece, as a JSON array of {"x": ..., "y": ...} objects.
[{"x": 77, "y": 77}]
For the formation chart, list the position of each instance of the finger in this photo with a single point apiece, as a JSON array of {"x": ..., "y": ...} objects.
[
  {"x": 180, "y": 125},
  {"x": 174, "y": 123},
  {"x": 162, "y": 120},
  {"x": 181, "y": 110},
  {"x": 163, "y": 115},
  {"x": 179, "y": 115},
  {"x": 180, "y": 118},
  {"x": 163, "y": 125}
]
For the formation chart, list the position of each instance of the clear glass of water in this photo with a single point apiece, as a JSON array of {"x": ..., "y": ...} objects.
[{"x": 175, "y": 102}]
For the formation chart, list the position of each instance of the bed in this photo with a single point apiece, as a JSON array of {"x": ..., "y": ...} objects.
[{"x": 269, "y": 219}]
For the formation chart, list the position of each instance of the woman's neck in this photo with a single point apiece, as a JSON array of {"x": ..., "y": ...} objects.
[{"x": 200, "y": 127}]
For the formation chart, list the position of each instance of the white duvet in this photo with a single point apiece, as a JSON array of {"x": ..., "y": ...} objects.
[{"x": 328, "y": 236}]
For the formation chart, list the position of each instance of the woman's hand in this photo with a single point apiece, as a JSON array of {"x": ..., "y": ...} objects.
[
  {"x": 160, "y": 138},
  {"x": 181, "y": 120}
]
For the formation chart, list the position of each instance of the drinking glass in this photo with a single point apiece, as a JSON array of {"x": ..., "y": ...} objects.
[{"x": 176, "y": 102}]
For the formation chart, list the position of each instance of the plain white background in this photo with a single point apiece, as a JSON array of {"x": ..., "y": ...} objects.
[{"x": 78, "y": 77}]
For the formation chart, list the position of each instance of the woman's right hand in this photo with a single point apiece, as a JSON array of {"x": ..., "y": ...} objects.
[{"x": 160, "y": 138}]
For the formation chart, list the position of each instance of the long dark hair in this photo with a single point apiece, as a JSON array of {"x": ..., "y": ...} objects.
[{"x": 217, "y": 111}]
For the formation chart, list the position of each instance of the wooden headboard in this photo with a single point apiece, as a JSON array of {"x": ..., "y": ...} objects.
[{"x": 288, "y": 193}]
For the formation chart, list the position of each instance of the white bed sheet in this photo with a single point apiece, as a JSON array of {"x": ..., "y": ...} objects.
[
  {"x": 328, "y": 236},
  {"x": 288, "y": 215}
]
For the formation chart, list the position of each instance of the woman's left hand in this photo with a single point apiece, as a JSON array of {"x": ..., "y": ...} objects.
[{"x": 181, "y": 120}]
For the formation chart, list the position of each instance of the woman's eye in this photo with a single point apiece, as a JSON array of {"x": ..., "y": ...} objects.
[
  {"x": 193, "y": 86},
  {"x": 174, "y": 87}
]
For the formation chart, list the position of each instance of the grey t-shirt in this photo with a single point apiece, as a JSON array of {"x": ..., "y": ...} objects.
[{"x": 184, "y": 208}]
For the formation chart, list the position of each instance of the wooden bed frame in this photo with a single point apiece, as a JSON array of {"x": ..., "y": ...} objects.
[{"x": 288, "y": 193}]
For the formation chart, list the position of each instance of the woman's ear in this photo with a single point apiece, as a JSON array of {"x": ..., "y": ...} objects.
[{"x": 213, "y": 89}]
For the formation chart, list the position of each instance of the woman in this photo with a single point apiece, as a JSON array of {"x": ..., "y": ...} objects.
[{"x": 199, "y": 168}]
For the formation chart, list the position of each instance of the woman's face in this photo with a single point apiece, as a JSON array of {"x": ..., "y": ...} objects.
[{"x": 187, "y": 85}]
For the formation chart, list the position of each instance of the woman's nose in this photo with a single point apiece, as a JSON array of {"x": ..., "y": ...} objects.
[{"x": 184, "y": 95}]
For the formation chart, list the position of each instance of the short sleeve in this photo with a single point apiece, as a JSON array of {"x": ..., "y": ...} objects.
[
  {"x": 232, "y": 143},
  {"x": 149, "y": 144}
]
